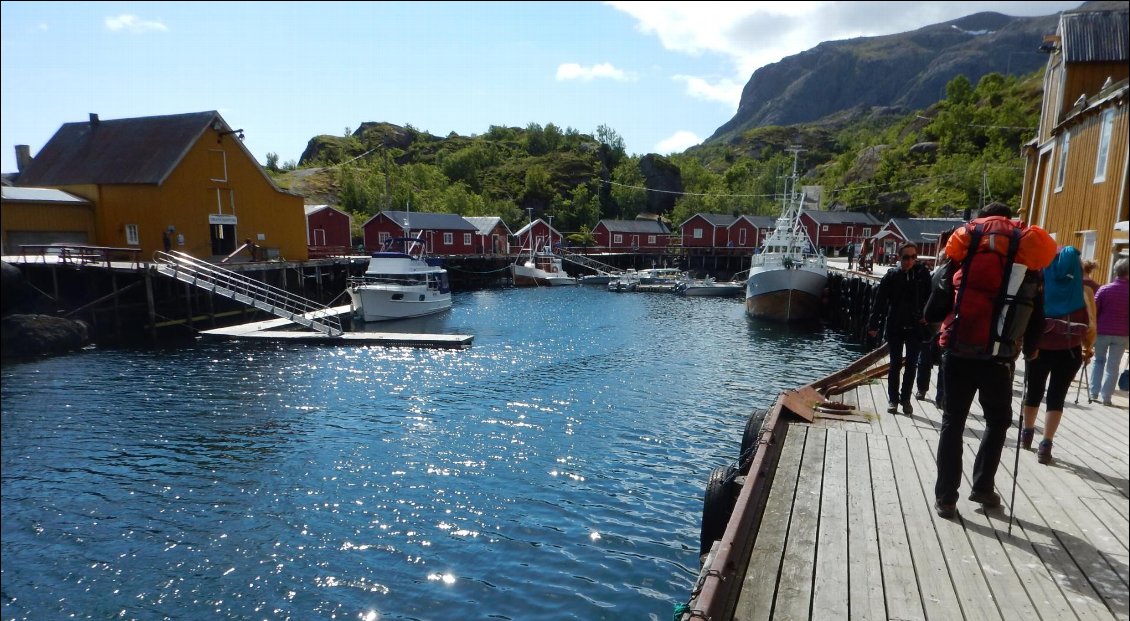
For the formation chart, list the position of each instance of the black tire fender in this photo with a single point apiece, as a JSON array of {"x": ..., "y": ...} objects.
[
  {"x": 751, "y": 436},
  {"x": 717, "y": 505}
]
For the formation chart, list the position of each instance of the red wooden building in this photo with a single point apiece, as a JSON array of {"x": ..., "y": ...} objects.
[
  {"x": 492, "y": 236},
  {"x": 540, "y": 233},
  {"x": 327, "y": 231},
  {"x": 922, "y": 231},
  {"x": 749, "y": 232},
  {"x": 707, "y": 230},
  {"x": 442, "y": 233},
  {"x": 632, "y": 235},
  {"x": 831, "y": 231}
]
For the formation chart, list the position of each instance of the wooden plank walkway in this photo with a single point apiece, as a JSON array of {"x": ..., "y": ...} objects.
[{"x": 849, "y": 530}]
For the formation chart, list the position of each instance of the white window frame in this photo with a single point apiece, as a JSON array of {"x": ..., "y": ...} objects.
[
  {"x": 617, "y": 238},
  {"x": 1090, "y": 240},
  {"x": 697, "y": 233},
  {"x": 466, "y": 239},
  {"x": 741, "y": 237},
  {"x": 824, "y": 228},
  {"x": 133, "y": 236},
  {"x": 1061, "y": 165},
  {"x": 223, "y": 164},
  {"x": 448, "y": 238},
  {"x": 650, "y": 240},
  {"x": 1103, "y": 154},
  {"x": 867, "y": 232}
]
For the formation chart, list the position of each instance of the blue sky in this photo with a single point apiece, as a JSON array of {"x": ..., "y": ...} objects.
[{"x": 664, "y": 75}]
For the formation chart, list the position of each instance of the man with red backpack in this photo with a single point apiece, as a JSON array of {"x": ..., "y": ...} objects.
[{"x": 991, "y": 309}]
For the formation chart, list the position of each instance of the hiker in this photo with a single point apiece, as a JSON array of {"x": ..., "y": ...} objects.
[
  {"x": 983, "y": 332},
  {"x": 901, "y": 297},
  {"x": 1113, "y": 325},
  {"x": 850, "y": 254},
  {"x": 1068, "y": 332}
]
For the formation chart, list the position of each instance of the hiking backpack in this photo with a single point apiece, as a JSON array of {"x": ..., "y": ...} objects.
[{"x": 994, "y": 295}]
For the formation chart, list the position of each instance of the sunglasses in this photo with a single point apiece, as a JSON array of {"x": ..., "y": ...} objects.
[{"x": 909, "y": 257}]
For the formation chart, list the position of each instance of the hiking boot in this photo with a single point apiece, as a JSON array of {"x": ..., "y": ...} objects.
[
  {"x": 1026, "y": 438},
  {"x": 989, "y": 500},
  {"x": 920, "y": 395},
  {"x": 907, "y": 408},
  {"x": 945, "y": 510},
  {"x": 1044, "y": 453},
  {"x": 893, "y": 407}
]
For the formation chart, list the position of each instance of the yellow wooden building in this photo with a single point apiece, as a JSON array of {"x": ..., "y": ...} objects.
[
  {"x": 1076, "y": 178},
  {"x": 186, "y": 178}
]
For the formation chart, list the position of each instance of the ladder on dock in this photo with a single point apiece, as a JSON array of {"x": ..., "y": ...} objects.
[
  {"x": 602, "y": 269},
  {"x": 236, "y": 286}
]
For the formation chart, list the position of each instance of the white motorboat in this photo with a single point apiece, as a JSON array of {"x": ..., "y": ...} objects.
[
  {"x": 787, "y": 277},
  {"x": 710, "y": 287},
  {"x": 541, "y": 268},
  {"x": 400, "y": 282}
]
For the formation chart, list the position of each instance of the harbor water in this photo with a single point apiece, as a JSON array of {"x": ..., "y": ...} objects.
[{"x": 555, "y": 470}]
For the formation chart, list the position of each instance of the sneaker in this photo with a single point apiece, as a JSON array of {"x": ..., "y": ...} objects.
[
  {"x": 920, "y": 395},
  {"x": 1094, "y": 397},
  {"x": 988, "y": 500},
  {"x": 1026, "y": 438},
  {"x": 1044, "y": 453},
  {"x": 946, "y": 510},
  {"x": 1107, "y": 402},
  {"x": 893, "y": 407},
  {"x": 907, "y": 408}
]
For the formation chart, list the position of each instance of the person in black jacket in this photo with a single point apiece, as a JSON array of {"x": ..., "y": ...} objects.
[{"x": 901, "y": 298}]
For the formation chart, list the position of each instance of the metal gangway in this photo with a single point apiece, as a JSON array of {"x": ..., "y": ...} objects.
[
  {"x": 600, "y": 268},
  {"x": 235, "y": 286}
]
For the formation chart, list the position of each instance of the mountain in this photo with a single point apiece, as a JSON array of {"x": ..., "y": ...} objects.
[{"x": 899, "y": 73}]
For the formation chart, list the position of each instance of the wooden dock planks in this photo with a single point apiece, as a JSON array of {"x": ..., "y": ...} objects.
[{"x": 849, "y": 529}]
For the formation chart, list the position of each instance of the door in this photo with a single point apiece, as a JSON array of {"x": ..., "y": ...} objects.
[{"x": 223, "y": 239}]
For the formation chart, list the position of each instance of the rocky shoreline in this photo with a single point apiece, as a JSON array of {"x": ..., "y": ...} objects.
[{"x": 26, "y": 329}]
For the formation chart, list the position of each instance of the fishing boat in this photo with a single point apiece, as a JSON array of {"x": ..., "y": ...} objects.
[
  {"x": 400, "y": 282},
  {"x": 541, "y": 268},
  {"x": 787, "y": 277}
]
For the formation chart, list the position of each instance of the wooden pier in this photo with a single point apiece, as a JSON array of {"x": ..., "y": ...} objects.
[
  {"x": 276, "y": 330},
  {"x": 835, "y": 519}
]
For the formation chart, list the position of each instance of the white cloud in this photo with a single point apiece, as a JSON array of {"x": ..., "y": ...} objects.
[
  {"x": 134, "y": 24},
  {"x": 678, "y": 142},
  {"x": 574, "y": 71},
  {"x": 725, "y": 91},
  {"x": 749, "y": 35}
]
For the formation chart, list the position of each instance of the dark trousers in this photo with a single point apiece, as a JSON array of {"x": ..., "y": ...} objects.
[
  {"x": 904, "y": 346},
  {"x": 991, "y": 382},
  {"x": 926, "y": 360}
]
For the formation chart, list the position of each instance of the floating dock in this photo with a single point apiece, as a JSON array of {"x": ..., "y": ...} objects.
[{"x": 274, "y": 330}]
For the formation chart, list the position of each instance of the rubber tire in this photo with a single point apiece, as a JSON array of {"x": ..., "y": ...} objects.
[
  {"x": 750, "y": 437},
  {"x": 717, "y": 505}
]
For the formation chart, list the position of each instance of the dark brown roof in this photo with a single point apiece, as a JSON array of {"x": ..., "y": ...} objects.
[{"x": 118, "y": 151}]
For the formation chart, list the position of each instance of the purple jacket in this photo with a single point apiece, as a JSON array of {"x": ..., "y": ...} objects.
[{"x": 1112, "y": 305}]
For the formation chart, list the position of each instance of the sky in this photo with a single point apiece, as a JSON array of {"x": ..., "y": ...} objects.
[{"x": 663, "y": 75}]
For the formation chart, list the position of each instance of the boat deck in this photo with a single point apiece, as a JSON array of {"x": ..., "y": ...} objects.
[{"x": 849, "y": 530}]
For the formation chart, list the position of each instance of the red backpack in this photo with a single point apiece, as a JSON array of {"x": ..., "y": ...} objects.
[{"x": 994, "y": 296}]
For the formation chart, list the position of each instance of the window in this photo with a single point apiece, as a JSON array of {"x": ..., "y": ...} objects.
[
  {"x": 698, "y": 233},
  {"x": 824, "y": 229},
  {"x": 1104, "y": 145},
  {"x": 132, "y": 237},
  {"x": 448, "y": 239},
  {"x": 866, "y": 232},
  {"x": 741, "y": 237},
  {"x": 466, "y": 239},
  {"x": 650, "y": 240},
  {"x": 617, "y": 239},
  {"x": 217, "y": 165},
  {"x": 1061, "y": 172},
  {"x": 1087, "y": 253}
]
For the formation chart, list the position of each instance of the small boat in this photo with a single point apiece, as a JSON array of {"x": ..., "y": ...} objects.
[
  {"x": 542, "y": 268},
  {"x": 400, "y": 282},
  {"x": 711, "y": 287},
  {"x": 787, "y": 278}
]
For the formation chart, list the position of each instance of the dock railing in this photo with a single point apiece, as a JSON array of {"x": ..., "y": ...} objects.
[
  {"x": 235, "y": 286},
  {"x": 79, "y": 254}
]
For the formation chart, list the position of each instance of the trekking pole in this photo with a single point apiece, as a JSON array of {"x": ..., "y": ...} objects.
[
  {"x": 1016, "y": 462},
  {"x": 1087, "y": 379}
]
